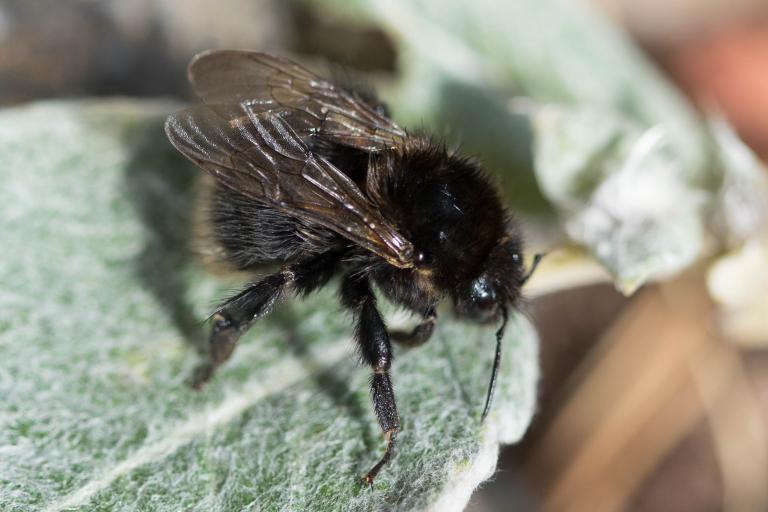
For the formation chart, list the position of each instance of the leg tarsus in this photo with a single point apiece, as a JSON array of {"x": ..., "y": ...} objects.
[
  {"x": 390, "y": 436},
  {"x": 222, "y": 342},
  {"x": 225, "y": 333},
  {"x": 419, "y": 334}
]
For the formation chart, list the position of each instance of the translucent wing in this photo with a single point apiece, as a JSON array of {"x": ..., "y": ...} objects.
[
  {"x": 260, "y": 156},
  {"x": 312, "y": 106}
]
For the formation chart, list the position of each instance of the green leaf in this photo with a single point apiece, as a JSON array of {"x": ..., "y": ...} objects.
[{"x": 101, "y": 319}]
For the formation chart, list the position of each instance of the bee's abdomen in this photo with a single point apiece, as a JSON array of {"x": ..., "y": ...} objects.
[{"x": 251, "y": 234}]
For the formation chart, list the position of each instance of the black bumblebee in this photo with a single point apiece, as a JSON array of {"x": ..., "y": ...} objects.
[{"x": 314, "y": 177}]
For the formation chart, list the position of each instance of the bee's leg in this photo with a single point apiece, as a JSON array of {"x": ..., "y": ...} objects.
[
  {"x": 420, "y": 334},
  {"x": 238, "y": 313},
  {"x": 373, "y": 340}
]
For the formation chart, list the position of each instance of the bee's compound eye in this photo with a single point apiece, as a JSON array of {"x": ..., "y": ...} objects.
[
  {"x": 422, "y": 258},
  {"x": 482, "y": 295},
  {"x": 482, "y": 303}
]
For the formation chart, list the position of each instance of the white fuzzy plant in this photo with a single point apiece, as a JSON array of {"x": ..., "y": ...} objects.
[
  {"x": 102, "y": 313},
  {"x": 101, "y": 303}
]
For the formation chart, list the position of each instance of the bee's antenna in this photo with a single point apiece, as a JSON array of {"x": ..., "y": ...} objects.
[
  {"x": 536, "y": 260},
  {"x": 496, "y": 363}
]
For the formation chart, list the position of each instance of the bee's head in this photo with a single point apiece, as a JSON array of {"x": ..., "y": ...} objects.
[{"x": 482, "y": 298}]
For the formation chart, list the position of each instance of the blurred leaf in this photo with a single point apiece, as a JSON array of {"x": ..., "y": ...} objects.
[
  {"x": 737, "y": 282},
  {"x": 563, "y": 269},
  {"x": 595, "y": 155},
  {"x": 100, "y": 322},
  {"x": 621, "y": 192},
  {"x": 742, "y": 204},
  {"x": 548, "y": 50}
]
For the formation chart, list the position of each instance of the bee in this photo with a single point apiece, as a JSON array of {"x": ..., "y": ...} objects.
[{"x": 315, "y": 178}]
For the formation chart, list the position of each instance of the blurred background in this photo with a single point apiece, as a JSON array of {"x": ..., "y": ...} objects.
[{"x": 655, "y": 400}]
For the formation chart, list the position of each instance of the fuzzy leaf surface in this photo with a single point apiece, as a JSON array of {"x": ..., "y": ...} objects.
[{"x": 101, "y": 318}]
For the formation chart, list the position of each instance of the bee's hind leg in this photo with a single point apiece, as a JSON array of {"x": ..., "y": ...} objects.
[
  {"x": 238, "y": 313},
  {"x": 232, "y": 318}
]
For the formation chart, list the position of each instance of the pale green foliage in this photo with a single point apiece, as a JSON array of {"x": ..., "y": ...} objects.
[
  {"x": 101, "y": 304},
  {"x": 743, "y": 198},
  {"x": 622, "y": 191},
  {"x": 101, "y": 312}
]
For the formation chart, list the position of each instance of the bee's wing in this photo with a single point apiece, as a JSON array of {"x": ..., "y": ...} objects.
[
  {"x": 260, "y": 156},
  {"x": 312, "y": 106}
]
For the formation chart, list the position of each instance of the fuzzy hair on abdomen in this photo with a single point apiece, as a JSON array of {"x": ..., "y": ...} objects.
[{"x": 253, "y": 235}]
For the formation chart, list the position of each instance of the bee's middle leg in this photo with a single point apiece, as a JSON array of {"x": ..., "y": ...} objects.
[{"x": 373, "y": 341}]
